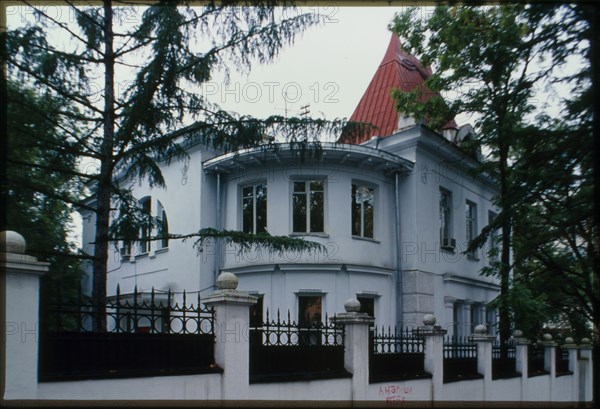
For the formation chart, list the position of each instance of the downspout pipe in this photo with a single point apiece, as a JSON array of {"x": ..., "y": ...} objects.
[
  {"x": 218, "y": 227},
  {"x": 399, "y": 286}
]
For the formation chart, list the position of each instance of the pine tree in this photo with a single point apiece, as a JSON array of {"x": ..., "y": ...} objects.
[
  {"x": 127, "y": 129},
  {"x": 40, "y": 185}
]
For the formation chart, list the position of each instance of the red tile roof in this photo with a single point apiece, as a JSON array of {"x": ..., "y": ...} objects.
[{"x": 398, "y": 69}]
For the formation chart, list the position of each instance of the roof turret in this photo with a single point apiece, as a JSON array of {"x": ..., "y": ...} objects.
[{"x": 397, "y": 70}]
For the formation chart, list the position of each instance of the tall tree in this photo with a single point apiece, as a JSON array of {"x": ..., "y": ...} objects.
[
  {"x": 161, "y": 63},
  {"x": 37, "y": 183},
  {"x": 491, "y": 60},
  {"x": 556, "y": 235}
]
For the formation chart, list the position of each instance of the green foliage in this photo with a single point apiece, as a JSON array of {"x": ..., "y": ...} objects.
[
  {"x": 247, "y": 242},
  {"x": 150, "y": 107},
  {"x": 40, "y": 185},
  {"x": 490, "y": 61}
]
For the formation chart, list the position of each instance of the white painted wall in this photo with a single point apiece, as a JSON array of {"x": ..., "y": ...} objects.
[{"x": 190, "y": 202}]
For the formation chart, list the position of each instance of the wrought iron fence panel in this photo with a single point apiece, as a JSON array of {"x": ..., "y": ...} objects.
[
  {"x": 403, "y": 341},
  {"x": 138, "y": 315},
  {"x": 504, "y": 360},
  {"x": 562, "y": 361},
  {"x": 536, "y": 360},
  {"x": 142, "y": 335},
  {"x": 460, "y": 359},
  {"x": 396, "y": 355},
  {"x": 283, "y": 348},
  {"x": 278, "y": 332},
  {"x": 459, "y": 347}
]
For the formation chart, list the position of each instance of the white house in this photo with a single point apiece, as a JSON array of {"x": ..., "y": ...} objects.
[{"x": 395, "y": 212}]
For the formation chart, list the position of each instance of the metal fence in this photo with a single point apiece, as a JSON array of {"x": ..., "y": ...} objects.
[
  {"x": 281, "y": 348},
  {"x": 396, "y": 355},
  {"x": 460, "y": 359},
  {"x": 536, "y": 360},
  {"x": 504, "y": 361},
  {"x": 141, "y": 334},
  {"x": 562, "y": 361}
]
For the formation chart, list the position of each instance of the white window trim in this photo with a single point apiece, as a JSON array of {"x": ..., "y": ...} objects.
[
  {"x": 471, "y": 229},
  {"x": 252, "y": 184},
  {"x": 307, "y": 181},
  {"x": 363, "y": 185},
  {"x": 446, "y": 240}
]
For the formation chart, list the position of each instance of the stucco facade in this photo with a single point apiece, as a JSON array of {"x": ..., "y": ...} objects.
[
  {"x": 395, "y": 213},
  {"x": 398, "y": 266}
]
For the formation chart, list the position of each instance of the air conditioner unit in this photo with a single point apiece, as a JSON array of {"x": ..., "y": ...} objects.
[{"x": 449, "y": 243}]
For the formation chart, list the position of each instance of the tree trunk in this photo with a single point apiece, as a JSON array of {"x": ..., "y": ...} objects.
[
  {"x": 504, "y": 314},
  {"x": 103, "y": 192}
]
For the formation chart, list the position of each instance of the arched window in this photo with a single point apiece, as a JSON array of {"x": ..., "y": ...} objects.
[
  {"x": 146, "y": 232},
  {"x": 146, "y": 229},
  {"x": 163, "y": 226}
]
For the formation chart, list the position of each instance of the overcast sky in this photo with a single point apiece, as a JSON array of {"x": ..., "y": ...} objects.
[{"x": 328, "y": 68}]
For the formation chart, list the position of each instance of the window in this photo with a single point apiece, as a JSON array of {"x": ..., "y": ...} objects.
[
  {"x": 254, "y": 208},
  {"x": 309, "y": 316},
  {"x": 145, "y": 231},
  {"x": 362, "y": 211},
  {"x": 163, "y": 227},
  {"x": 471, "y": 224},
  {"x": 446, "y": 239},
  {"x": 308, "y": 207},
  {"x": 494, "y": 248},
  {"x": 367, "y": 304},
  {"x": 256, "y": 312},
  {"x": 309, "y": 309},
  {"x": 153, "y": 224}
]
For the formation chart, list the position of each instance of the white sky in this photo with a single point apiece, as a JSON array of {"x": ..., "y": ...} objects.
[{"x": 329, "y": 67}]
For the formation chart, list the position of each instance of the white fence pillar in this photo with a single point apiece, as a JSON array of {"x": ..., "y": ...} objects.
[
  {"x": 232, "y": 340},
  {"x": 522, "y": 359},
  {"x": 550, "y": 361},
  {"x": 573, "y": 366},
  {"x": 356, "y": 346},
  {"x": 484, "y": 356},
  {"x": 20, "y": 327},
  {"x": 434, "y": 354},
  {"x": 586, "y": 371}
]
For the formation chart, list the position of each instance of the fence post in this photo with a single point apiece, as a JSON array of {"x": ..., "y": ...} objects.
[
  {"x": 232, "y": 323},
  {"x": 522, "y": 359},
  {"x": 573, "y": 366},
  {"x": 356, "y": 346},
  {"x": 586, "y": 384},
  {"x": 434, "y": 354},
  {"x": 484, "y": 356},
  {"x": 20, "y": 326},
  {"x": 550, "y": 361}
]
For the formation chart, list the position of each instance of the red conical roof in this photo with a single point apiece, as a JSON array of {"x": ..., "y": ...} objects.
[{"x": 398, "y": 69}]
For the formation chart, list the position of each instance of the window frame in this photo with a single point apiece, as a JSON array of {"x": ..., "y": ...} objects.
[
  {"x": 494, "y": 249},
  {"x": 446, "y": 219},
  {"x": 471, "y": 226},
  {"x": 308, "y": 195},
  {"x": 145, "y": 230},
  {"x": 253, "y": 185},
  {"x": 163, "y": 227},
  {"x": 373, "y": 192}
]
